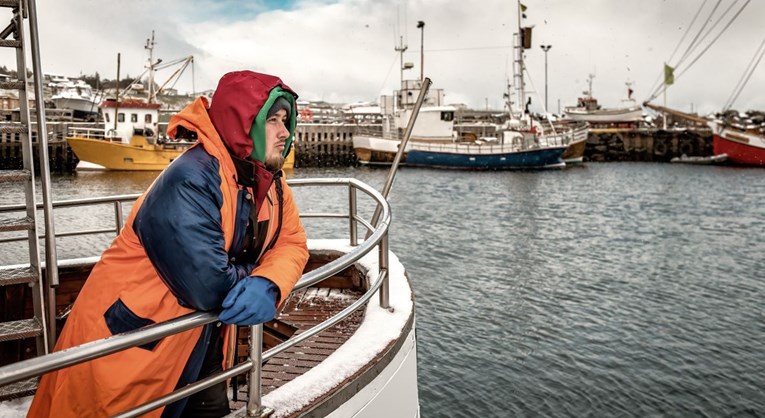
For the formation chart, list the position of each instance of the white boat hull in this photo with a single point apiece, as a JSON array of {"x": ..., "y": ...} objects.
[
  {"x": 374, "y": 150},
  {"x": 80, "y": 106},
  {"x": 393, "y": 393},
  {"x": 630, "y": 114}
]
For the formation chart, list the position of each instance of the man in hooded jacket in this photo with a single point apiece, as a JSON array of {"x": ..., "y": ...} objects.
[{"x": 217, "y": 229}]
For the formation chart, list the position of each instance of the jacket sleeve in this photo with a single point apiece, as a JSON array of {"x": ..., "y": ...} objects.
[
  {"x": 179, "y": 226},
  {"x": 284, "y": 263}
]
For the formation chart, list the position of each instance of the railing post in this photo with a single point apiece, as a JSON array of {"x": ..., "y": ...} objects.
[
  {"x": 353, "y": 225},
  {"x": 118, "y": 215},
  {"x": 254, "y": 407},
  {"x": 384, "y": 288}
]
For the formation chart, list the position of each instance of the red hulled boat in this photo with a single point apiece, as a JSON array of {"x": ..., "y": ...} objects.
[{"x": 743, "y": 146}]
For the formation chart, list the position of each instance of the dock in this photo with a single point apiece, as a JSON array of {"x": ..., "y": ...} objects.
[{"x": 331, "y": 144}]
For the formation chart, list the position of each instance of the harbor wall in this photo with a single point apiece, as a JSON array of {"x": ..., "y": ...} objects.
[
  {"x": 331, "y": 145},
  {"x": 609, "y": 145}
]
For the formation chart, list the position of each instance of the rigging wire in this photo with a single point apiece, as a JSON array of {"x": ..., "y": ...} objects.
[
  {"x": 746, "y": 75},
  {"x": 697, "y": 40},
  {"x": 395, "y": 60},
  {"x": 687, "y": 31},
  {"x": 703, "y": 51},
  {"x": 715, "y": 39}
]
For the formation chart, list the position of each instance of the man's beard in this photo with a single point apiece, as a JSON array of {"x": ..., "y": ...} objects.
[{"x": 274, "y": 163}]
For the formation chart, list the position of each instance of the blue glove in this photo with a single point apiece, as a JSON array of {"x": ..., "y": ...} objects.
[{"x": 251, "y": 301}]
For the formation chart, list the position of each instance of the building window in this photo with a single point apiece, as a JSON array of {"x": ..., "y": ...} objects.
[
  {"x": 147, "y": 118},
  {"x": 134, "y": 117},
  {"x": 121, "y": 117}
]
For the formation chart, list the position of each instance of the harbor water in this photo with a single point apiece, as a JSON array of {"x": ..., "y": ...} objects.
[{"x": 616, "y": 289}]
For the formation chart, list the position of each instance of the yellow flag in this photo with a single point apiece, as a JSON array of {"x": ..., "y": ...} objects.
[{"x": 669, "y": 75}]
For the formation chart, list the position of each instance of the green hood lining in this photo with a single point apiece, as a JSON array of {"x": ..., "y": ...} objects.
[{"x": 258, "y": 129}]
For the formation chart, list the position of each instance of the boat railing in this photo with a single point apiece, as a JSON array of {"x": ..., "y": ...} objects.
[
  {"x": 377, "y": 132},
  {"x": 90, "y": 133},
  {"x": 487, "y": 148},
  {"x": 378, "y": 239}
]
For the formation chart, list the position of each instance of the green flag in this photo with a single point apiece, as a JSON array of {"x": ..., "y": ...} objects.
[{"x": 669, "y": 75}]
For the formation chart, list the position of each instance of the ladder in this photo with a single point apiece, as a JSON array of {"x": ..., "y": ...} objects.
[{"x": 23, "y": 278}]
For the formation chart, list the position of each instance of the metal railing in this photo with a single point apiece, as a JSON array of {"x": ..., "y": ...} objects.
[
  {"x": 92, "y": 350},
  {"x": 116, "y": 201}
]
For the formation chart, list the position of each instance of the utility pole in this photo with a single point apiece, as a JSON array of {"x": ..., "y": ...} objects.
[
  {"x": 421, "y": 26},
  {"x": 546, "y": 48}
]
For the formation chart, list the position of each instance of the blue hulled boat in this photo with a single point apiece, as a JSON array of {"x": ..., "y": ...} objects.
[{"x": 484, "y": 156}]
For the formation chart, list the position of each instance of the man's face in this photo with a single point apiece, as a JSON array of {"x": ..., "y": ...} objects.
[{"x": 276, "y": 137}]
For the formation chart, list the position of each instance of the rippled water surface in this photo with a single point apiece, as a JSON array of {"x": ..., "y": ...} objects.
[{"x": 604, "y": 290}]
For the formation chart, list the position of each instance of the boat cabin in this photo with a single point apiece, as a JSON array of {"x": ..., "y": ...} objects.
[
  {"x": 123, "y": 119},
  {"x": 433, "y": 122}
]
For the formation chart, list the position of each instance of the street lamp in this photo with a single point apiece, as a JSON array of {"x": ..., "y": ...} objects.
[
  {"x": 421, "y": 27},
  {"x": 546, "y": 48}
]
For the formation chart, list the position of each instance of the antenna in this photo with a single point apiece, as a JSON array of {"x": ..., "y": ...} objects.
[
  {"x": 400, "y": 49},
  {"x": 150, "y": 46}
]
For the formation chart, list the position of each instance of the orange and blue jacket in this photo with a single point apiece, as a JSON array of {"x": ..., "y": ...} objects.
[{"x": 181, "y": 250}]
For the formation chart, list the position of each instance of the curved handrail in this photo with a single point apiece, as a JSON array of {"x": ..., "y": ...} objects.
[{"x": 92, "y": 350}]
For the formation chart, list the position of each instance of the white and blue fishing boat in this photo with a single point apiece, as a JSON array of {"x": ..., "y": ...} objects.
[
  {"x": 521, "y": 143},
  {"x": 489, "y": 155}
]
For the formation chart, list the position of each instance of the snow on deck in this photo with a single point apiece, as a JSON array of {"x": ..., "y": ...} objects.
[{"x": 379, "y": 328}]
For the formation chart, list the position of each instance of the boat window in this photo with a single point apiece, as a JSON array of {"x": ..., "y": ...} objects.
[
  {"x": 134, "y": 117},
  {"x": 106, "y": 117},
  {"x": 147, "y": 118},
  {"x": 121, "y": 117},
  {"x": 447, "y": 116}
]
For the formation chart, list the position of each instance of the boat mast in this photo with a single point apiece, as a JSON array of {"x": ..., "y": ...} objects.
[
  {"x": 150, "y": 46},
  {"x": 589, "y": 85},
  {"x": 508, "y": 95},
  {"x": 400, "y": 49},
  {"x": 518, "y": 62}
]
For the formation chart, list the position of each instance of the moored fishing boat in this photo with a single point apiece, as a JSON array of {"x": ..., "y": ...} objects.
[
  {"x": 587, "y": 109},
  {"x": 76, "y": 96},
  {"x": 574, "y": 153},
  {"x": 129, "y": 139},
  {"x": 434, "y": 143},
  {"x": 518, "y": 147},
  {"x": 743, "y": 146}
]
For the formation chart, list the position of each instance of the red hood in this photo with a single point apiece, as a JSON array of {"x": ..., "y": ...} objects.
[{"x": 236, "y": 102}]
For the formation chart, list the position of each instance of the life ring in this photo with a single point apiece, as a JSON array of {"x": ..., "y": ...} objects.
[{"x": 306, "y": 114}]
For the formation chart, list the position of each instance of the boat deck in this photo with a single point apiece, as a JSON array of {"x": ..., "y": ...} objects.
[{"x": 303, "y": 310}]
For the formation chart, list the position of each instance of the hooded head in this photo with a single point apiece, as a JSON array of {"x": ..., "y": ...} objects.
[{"x": 240, "y": 107}]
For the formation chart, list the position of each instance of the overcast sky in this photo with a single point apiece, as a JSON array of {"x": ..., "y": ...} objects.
[{"x": 343, "y": 50}]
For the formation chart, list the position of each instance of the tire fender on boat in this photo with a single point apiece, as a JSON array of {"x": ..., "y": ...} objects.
[
  {"x": 686, "y": 147},
  {"x": 660, "y": 148}
]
